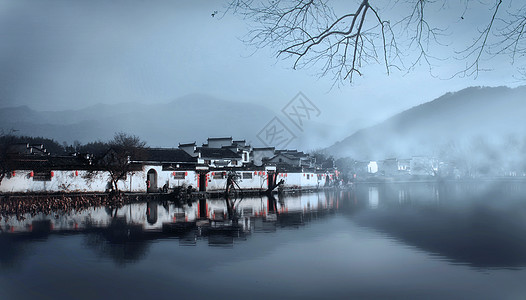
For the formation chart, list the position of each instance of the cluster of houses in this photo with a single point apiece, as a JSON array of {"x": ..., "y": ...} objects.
[
  {"x": 204, "y": 168},
  {"x": 394, "y": 167},
  {"x": 428, "y": 167}
]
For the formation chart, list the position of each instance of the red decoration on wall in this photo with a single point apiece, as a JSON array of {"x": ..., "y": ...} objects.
[
  {"x": 31, "y": 174},
  {"x": 52, "y": 173},
  {"x": 76, "y": 173}
]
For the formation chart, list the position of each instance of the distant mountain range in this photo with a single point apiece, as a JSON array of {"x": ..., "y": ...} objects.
[
  {"x": 483, "y": 115},
  {"x": 187, "y": 119},
  {"x": 454, "y": 120}
]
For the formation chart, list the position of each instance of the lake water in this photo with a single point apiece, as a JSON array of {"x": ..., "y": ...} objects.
[{"x": 391, "y": 241}]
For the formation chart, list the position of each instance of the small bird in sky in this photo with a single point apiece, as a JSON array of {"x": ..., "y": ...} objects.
[{"x": 214, "y": 13}]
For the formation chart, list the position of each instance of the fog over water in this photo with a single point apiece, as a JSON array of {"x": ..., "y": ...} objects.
[{"x": 397, "y": 241}]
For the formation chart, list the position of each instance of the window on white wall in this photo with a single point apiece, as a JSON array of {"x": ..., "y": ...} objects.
[
  {"x": 219, "y": 175},
  {"x": 179, "y": 175},
  {"x": 42, "y": 176}
]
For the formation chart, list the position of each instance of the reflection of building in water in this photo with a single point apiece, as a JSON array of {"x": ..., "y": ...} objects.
[
  {"x": 403, "y": 196},
  {"x": 124, "y": 233},
  {"x": 373, "y": 197},
  {"x": 206, "y": 218}
]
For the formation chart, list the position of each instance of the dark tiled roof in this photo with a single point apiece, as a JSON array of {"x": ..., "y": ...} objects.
[
  {"x": 294, "y": 153},
  {"x": 218, "y": 153},
  {"x": 30, "y": 162},
  {"x": 167, "y": 155},
  {"x": 219, "y": 138},
  {"x": 291, "y": 157}
]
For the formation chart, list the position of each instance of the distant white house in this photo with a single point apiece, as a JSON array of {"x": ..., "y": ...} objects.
[{"x": 372, "y": 167}]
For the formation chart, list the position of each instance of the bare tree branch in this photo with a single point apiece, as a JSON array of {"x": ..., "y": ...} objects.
[
  {"x": 478, "y": 47},
  {"x": 311, "y": 33}
]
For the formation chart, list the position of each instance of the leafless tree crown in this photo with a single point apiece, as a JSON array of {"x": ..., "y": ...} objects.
[{"x": 396, "y": 34}]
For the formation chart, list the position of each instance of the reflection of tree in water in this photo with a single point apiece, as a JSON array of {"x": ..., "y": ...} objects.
[
  {"x": 121, "y": 242},
  {"x": 221, "y": 232}
]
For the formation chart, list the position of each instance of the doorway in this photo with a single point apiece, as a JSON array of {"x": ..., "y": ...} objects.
[
  {"x": 202, "y": 182},
  {"x": 151, "y": 181}
]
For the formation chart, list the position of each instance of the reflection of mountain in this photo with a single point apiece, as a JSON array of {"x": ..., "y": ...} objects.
[
  {"x": 483, "y": 230},
  {"x": 454, "y": 120}
]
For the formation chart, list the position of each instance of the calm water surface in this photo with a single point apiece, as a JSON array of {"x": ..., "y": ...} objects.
[{"x": 393, "y": 241}]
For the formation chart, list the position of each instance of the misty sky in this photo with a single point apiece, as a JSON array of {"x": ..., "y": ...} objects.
[{"x": 68, "y": 54}]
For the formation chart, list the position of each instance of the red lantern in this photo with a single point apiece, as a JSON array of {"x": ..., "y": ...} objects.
[
  {"x": 255, "y": 173},
  {"x": 31, "y": 174},
  {"x": 13, "y": 174},
  {"x": 76, "y": 173},
  {"x": 185, "y": 173},
  {"x": 52, "y": 173}
]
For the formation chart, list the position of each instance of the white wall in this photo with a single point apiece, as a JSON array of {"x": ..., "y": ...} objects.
[
  {"x": 300, "y": 181},
  {"x": 61, "y": 181},
  {"x": 168, "y": 177},
  {"x": 98, "y": 181}
]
